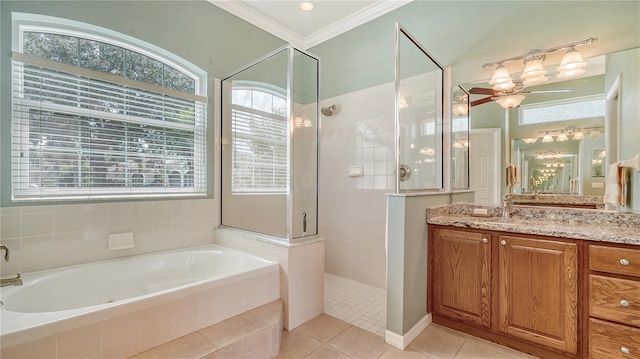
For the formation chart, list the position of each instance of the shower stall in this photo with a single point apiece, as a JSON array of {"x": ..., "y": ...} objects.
[{"x": 269, "y": 146}]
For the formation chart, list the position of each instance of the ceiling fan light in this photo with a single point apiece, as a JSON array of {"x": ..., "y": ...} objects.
[
  {"x": 530, "y": 141},
  {"x": 562, "y": 137},
  {"x": 571, "y": 60},
  {"x": 460, "y": 109},
  {"x": 535, "y": 80},
  {"x": 547, "y": 138},
  {"x": 533, "y": 69},
  {"x": 500, "y": 75},
  {"x": 578, "y": 135},
  {"x": 570, "y": 73},
  {"x": 504, "y": 86},
  {"x": 510, "y": 101}
]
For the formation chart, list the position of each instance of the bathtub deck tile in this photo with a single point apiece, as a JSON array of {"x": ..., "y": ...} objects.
[
  {"x": 191, "y": 346},
  {"x": 233, "y": 329}
]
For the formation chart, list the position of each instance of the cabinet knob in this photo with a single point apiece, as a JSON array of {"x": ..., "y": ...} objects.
[
  {"x": 624, "y": 262},
  {"x": 503, "y": 242},
  {"x": 625, "y": 350},
  {"x": 624, "y": 303},
  {"x": 484, "y": 240}
]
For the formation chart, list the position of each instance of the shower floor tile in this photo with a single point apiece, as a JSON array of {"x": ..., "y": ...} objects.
[{"x": 356, "y": 303}]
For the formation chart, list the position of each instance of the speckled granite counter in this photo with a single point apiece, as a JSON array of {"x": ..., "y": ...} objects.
[
  {"x": 563, "y": 200},
  {"x": 606, "y": 226}
]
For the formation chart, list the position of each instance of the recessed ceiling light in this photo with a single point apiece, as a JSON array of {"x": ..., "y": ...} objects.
[{"x": 307, "y": 5}]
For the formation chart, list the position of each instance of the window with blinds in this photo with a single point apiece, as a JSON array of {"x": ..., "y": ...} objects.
[
  {"x": 93, "y": 119},
  {"x": 259, "y": 142}
]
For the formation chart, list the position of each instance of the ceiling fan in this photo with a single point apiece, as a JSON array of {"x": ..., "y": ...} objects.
[{"x": 494, "y": 95}]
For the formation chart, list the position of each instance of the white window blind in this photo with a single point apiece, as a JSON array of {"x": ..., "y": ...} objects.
[
  {"x": 259, "y": 151},
  {"x": 79, "y": 133},
  {"x": 572, "y": 109}
]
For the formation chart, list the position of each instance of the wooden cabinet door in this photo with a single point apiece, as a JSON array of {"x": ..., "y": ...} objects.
[
  {"x": 462, "y": 275},
  {"x": 538, "y": 297}
]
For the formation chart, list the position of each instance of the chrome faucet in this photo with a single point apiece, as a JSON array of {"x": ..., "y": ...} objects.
[
  {"x": 11, "y": 281},
  {"x": 506, "y": 206},
  {"x": 6, "y": 252},
  {"x": 536, "y": 196}
]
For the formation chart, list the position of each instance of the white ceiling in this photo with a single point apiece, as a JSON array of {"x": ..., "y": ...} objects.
[{"x": 329, "y": 18}]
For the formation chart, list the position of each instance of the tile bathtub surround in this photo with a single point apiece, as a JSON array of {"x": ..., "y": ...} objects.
[
  {"x": 254, "y": 334},
  {"x": 41, "y": 237},
  {"x": 607, "y": 226},
  {"x": 301, "y": 271},
  {"x": 207, "y": 312}
]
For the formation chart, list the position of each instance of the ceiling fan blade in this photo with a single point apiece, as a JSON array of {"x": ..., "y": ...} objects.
[
  {"x": 482, "y": 91},
  {"x": 481, "y": 101}
]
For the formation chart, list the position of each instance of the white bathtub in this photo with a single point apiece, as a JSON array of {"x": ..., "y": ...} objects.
[{"x": 61, "y": 299}]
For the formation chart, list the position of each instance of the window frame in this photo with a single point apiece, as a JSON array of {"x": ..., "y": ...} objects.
[
  {"x": 22, "y": 23},
  {"x": 572, "y": 100}
]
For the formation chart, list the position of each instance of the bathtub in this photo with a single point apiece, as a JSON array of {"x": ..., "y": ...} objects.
[{"x": 196, "y": 287}]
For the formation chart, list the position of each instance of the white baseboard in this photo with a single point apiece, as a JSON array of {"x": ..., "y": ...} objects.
[{"x": 402, "y": 341}]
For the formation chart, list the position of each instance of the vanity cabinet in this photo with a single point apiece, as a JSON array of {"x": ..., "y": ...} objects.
[
  {"x": 517, "y": 290},
  {"x": 462, "y": 275},
  {"x": 538, "y": 297},
  {"x": 614, "y": 301}
]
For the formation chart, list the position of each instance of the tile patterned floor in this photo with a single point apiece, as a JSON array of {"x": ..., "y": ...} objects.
[
  {"x": 326, "y": 337},
  {"x": 356, "y": 303}
]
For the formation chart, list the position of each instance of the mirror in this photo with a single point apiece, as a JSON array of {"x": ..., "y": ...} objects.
[
  {"x": 460, "y": 139},
  {"x": 578, "y": 133}
]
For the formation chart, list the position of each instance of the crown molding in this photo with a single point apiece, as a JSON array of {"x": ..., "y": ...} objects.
[
  {"x": 254, "y": 17},
  {"x": 358, "y": 18}
]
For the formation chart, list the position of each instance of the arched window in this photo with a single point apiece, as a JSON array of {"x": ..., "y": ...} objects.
[{"x": 92, "y": 106}]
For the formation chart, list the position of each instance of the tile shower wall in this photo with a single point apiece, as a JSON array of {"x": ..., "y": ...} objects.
[
  {"x": 353, "y": 209},
  {"x": 42, "y": 237}
]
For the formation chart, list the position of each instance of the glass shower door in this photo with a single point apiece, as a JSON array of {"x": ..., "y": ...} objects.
[{"x": 419, "y": 104}]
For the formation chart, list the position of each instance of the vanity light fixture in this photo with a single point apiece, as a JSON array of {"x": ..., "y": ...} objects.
[
  {"x": 571, "y": 65},
  {"x": 578, "y": 135},
  {"x": 562, "y": 137},
  {"x": 298, "y": 122},
  {"x": 307, "y": 123},
  {"x": 530, "y": 141},
  {"x": 594, "y": 134},
  {"x": 547, "y": 138}
]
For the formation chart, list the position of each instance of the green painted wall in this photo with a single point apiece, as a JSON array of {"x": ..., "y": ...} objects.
[{"x": 197, "y": 31}]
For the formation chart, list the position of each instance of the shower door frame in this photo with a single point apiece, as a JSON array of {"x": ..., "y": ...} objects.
[{"x": 289, "y": 236}]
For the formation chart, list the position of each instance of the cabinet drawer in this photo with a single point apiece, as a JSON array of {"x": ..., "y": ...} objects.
[
  {"x": 607, "y": 340},
  {"x": 615, "y": 299},
  {"x": 614, "y": 260}
]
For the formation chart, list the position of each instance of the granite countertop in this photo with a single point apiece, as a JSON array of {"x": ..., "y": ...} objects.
[{"x": 604, "y": 226}]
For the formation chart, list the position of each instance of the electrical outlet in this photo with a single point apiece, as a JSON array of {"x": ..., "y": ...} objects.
[{"x": 597, "y": 184}]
